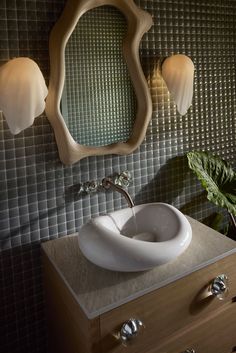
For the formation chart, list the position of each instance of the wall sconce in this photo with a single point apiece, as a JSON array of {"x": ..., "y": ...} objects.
[
  {"x": 178, "y": 74},
  {"x": 22, "y": 93}
]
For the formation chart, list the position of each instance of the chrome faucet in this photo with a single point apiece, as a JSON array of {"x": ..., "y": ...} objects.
[{"x": 107, "y": 183}]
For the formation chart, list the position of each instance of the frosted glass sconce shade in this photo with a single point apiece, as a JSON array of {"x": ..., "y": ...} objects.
[
  {"x": 178, "y": 74},
  {"x": 22, "y": 93}
]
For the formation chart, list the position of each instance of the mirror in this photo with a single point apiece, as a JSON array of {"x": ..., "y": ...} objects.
[
  {"x": 107, "y": 113},
  {"x": 98, "y": 101}
]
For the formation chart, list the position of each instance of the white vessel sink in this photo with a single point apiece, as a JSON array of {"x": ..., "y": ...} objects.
[{"x": 121, "y": 242}]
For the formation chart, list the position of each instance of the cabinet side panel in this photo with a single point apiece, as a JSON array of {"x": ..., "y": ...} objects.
[{"x": 70, "y": 330}]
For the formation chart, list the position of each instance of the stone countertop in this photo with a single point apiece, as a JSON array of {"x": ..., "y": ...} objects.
[{"x": 98, "y": 290}]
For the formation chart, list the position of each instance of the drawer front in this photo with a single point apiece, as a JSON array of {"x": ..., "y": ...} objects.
[
  {"x": 215, "y": 335},
  {"x": 169, "y": 309}
]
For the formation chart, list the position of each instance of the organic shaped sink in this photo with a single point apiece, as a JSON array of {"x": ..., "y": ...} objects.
[{"x": 137, "y": 238}]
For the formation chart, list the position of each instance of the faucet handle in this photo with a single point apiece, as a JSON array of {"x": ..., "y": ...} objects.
[
  {"x": 123, "y": 179},
  {"x": 90, "y": 187}
]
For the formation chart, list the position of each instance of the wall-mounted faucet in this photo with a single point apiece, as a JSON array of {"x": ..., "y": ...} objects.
[
  {"x": 107, "y": 183},
  {"x": 118, "y": 183}
]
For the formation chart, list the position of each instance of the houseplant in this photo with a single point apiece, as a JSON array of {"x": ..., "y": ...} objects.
[{"x": 218, "y": 178}]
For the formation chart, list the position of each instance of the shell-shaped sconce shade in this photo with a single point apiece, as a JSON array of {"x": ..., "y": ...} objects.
[
  {"x": 22, "y": 93},
  {"x": 178, "y": 74}
]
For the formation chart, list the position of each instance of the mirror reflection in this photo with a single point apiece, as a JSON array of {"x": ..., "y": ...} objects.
[{"x": 98, "y": 102}]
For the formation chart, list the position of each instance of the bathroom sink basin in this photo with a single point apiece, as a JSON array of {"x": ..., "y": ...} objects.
[{"x": 136, "y": 239}]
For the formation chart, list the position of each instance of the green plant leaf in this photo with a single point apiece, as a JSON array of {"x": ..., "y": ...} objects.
[{"x": 217, "y": 177}]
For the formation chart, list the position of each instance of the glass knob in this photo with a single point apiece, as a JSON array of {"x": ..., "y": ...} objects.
[
  {"x": 190, "y": 350},
  {"x": 219, "y": 286},
  {"x": 130, "y": 329}
]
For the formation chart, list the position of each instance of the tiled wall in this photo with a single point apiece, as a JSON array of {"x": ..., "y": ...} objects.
[{"x": 37, "y": 199}]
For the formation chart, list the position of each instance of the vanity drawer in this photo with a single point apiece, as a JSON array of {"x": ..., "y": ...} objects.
[
  {"x": 217, "y": 334},
  {"x": 169, "y": 310}
]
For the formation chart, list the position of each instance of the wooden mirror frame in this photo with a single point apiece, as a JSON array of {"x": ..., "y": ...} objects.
[{"x": 138, "y": 22}]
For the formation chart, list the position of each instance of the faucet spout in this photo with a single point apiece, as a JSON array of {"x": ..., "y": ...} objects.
[{"x": 107, "y": 183}]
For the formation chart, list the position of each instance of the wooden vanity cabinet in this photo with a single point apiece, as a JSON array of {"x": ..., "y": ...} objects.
[{"x": 177, "y": 317}]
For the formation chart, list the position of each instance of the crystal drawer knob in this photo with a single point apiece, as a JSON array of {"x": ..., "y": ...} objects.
[
  {"x": 219, "y": 286},
  {"x": 191, "y": 350},
  {"x": 130, "y": 329}
]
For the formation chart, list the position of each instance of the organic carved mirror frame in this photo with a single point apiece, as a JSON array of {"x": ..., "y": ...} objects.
[{"x": 138, "y": 22}]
